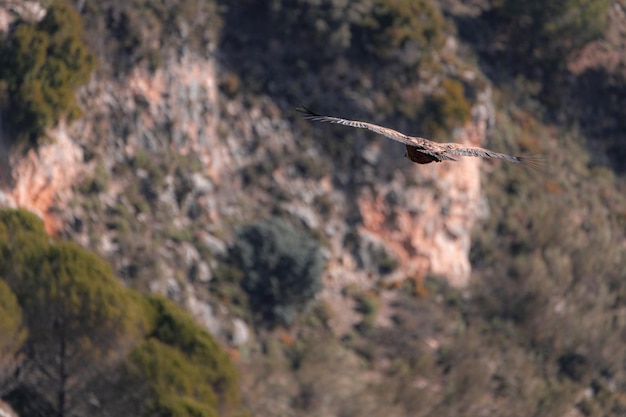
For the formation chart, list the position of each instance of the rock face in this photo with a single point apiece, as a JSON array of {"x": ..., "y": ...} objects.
[
  {"x": 414, "y": 223},
  {"x": 40, "y": 178}
]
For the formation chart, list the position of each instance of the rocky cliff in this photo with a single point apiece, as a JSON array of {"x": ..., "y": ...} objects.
[{"x": 420, "y": 216}]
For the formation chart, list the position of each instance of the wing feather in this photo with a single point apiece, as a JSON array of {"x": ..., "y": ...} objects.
[
  {"x": 460, "y": 150},
  {"x": 421, "y": 143}
]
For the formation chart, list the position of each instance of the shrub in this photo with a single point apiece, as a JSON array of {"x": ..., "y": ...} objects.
[
  {"x": 367, "y": 305},
  {"x": 22, "y": 239},
  {"x": 282, "y": 268},
  {"x": 41, "y": 66}
]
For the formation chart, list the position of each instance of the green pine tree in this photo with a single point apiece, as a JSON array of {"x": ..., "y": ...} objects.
[{"x": 41, "y": 65}]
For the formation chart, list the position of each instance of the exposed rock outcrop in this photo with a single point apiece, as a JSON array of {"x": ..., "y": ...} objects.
[{"x": 42, "y": 180}]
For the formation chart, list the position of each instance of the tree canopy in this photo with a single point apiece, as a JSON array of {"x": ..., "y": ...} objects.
[
  {"x": 186, "y": 371},
  {"x": 41, "y": 64},
  {"x": 12, "y": 333},
  {"x": 82, "y": 323}
]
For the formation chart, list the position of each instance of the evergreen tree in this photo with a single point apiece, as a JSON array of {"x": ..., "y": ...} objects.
[
  {"x": 12, "y": 335},
  {"x": 41, "y": 64},
  {"x": 282, "y": 268},
  {"x": 186, "y": 371},
  {"x": 78, "y": 316}
]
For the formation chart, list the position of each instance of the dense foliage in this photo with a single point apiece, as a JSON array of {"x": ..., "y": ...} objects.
[
  {"x": 282, "y": 268},
  {"x": 12, "y": 335},
  {"x": 187, "y": 372},
  {"x": 41, "y": 65},
  {"x": 82, "y": 329}
]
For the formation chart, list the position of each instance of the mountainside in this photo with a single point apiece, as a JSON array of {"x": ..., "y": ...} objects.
[
  {"x": 461, "y": 288},
  {"x": 421, "y": 224}
]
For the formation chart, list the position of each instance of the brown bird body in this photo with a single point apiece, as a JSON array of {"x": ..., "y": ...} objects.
[{"x": 419, "y": 150}]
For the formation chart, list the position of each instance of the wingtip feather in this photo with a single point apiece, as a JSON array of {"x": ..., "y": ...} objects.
[
  {"x": 535, "y": 162},
  {"x": 307, "y": 112}
]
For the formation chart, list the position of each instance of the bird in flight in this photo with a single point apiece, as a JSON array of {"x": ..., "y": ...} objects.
[{"x": 420, "y": 150}]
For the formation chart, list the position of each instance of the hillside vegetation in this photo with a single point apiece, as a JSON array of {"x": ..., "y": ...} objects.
[{"x": 539, "y": 331}]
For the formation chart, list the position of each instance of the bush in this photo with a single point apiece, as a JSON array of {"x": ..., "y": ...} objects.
[{"x": 282, "y": 268}]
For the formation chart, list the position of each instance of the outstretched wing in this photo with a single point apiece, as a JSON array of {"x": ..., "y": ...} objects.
[
  {"x": 423, "y": 144},
  {"x": 457, "y": 149}
]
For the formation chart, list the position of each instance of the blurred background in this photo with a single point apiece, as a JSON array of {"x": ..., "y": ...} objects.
[{"x": 175, "y": 240}]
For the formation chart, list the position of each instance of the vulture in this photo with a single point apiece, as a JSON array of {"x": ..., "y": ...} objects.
[{"x": 421, "y": 150}]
